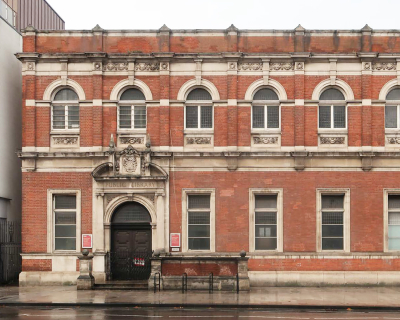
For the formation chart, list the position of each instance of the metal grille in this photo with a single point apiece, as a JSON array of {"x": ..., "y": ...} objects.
[
  {"x": 140, "y": 117},
  {"x": 266, "y": 201},
  {"x": 391, "y": 117},
  {"x": 332, "y": 218},
  {"x": 265, "y": 218},
  {"x": 10, "y": 251},
  {"x": 192, "y": 116},
  {"x": 129, "y": 265},
  {"x": 273, "y": 117},
  {"x": 265, "y": 94},
  {"x": 199, "y": 217},
  {"x": 199, "y": 201},
  {"x": 206, "y": 117},
  {"x": 394, "y": 201},
  {"x": 332, "y": 222},
  {"x": 65, "y": 222},
  {"x": 331, "y": 94},
  {"x": 258, "y": 117},
  {"x": 199, "y": 94},
  {"x": 131, "y": 212},
  {"x": 394, "y": 222},
  {"x": 394, "y": 218},
  {"x": 332, "y": 201},
  {"x": 125, "y": 117},
  {"x": 199, "y": 222},
  {"x": 324, "y": 116},
  {"x": 339, "y": 116},
  {"x": 132, "y": 94},
  {"x": 66, "y": 95},
  {"x": 393, "y": 94}
]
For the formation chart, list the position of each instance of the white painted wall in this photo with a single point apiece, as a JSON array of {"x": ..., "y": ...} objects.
[{"x": 10, "y": 118}]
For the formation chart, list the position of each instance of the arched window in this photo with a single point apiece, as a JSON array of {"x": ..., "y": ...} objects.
[
  {"x": 65, "y": 110},
  {"x": 332, "y": 109},
  {"x": 131, "y": 212},
  {"x": 132, "y": 110},
  {"x": 199, "y": 110},
  {"x": 392, "y": 109},
  {"x": 265, "y": 110}
]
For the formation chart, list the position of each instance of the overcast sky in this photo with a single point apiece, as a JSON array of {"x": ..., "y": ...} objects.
[{"x": 220, "y": 14}]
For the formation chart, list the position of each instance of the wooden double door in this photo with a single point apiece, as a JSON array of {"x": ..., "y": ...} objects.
[{"x": 130, "y": 252}]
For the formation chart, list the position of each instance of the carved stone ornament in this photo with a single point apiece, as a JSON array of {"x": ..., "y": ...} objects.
[
  {"x": 130, "y": 160},
  {"x": 265, "y": 140},
  {"x": 232, "y": 66},
  {"x": 97, "y": 66},
  {"x": 31, "y": 66},
  {"x": 299, "y": 65},
  {"x": 367, "y": 66},
  {"x": 65, "y": 140},
  {"x": 164, "y": 66},
  {"x": 132, "y": 140},
  {"x": 384, "y": 66},
  {"x": 281, "y": 66},
  {"x": 198, "y": 140},
  {"x": 393, "y": 140},
  {"x": 332, "y": 140},
  {"x": 144, "y": 66},
  {"x": 250, "y": 66},
  {"x": 116, "y": 66}
]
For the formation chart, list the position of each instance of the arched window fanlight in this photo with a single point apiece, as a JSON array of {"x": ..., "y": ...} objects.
[
  {"x": 392, "y": 109},
  {"x": 66, "y": 95},
  {"x": 199, "y": 116},
  {"x": 265, "y": 94},
  {"x": 332, "y": 113},
  {"x": 265, "y": 115},
  {"x": 132, "y": 94},
  {"x": 132, "y": 115},
  {"x": 331, "y": 94},
  {"x": 199, "y": 94},
  {"x": 65, "y": 110},
  {"x": 131, "y": 212}
]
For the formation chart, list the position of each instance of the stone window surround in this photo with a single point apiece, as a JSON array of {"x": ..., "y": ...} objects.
[
  {"x": 197, "y": 191},
  {"x": 50, "y": 219},
  {"x": 346, "y": 217},
  {"x": 386, "y": 193},
  {"x": 279, "y": 221}
]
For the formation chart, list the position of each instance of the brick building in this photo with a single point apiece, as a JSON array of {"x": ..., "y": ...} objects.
[{"x": 281, "y": 143}]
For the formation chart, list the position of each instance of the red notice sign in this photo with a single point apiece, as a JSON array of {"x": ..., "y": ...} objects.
[
  {"x": 87, "y": 241},
  {"x": 175, "y": 240}
]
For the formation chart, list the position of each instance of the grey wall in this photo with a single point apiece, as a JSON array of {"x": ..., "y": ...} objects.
[{"x": 10, "y": 119}]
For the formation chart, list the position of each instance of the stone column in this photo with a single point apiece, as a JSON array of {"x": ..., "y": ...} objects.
[
  {"x": 85, "y": 280},
  {"x": 155, "y": 268}
]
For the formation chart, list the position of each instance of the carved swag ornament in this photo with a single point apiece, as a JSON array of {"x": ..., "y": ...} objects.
[
  {"x": 265, "y": 140},
  {"x": 332, "y": 140}
]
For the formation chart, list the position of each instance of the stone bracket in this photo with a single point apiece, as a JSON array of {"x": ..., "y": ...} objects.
[
  {"x": 299, "y": 160},
  {"x": 366, "y": 161}
]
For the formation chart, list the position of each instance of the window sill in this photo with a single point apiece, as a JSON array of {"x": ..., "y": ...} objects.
[
  {"x": 71, "y": 132},
  {"x": 199, "y": 131},
  {"x": 266, "y": 131},
  {"x": 131, "y": 131},
  {"x": 333, "y": 131}
]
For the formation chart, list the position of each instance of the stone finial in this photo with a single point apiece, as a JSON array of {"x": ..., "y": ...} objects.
[
  {"x": 165, "y": 28},
  {"x": 232, "y": 28},
  {"x": 242, "y": 253},
  {"x": 299, "y": 28},
  {"x": 112, "y": 144},
  {"x": 97, "y": 28},
  {"x": 85, "y": 252},
  {"x": 30, "y": 28},
  {"x": 148, "y": 141},
  {"x": 366, "y": 28}
]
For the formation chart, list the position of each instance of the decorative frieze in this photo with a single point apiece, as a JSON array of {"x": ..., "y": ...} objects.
[
  {"x": 250, "y": 66},
  {"x": 384, "y": 66},
  {"x": 299, "y": 66},
  {"x": 116, "y": 66},
  {"x": 393, "y": 140},
  {"x": 281, "y": 66},
  {"x": 164, "y": 66},
  {"x": 66, "y": 141},
  {"x": 132, "y": 140},
  {"x": 198, "y": 140},
  {"x": 97, "y": 66},
  {"x": 367, "y": 66},
  {"x": 147, "y": 66},
  {"x": 30, "y": 66},
  {"x": 332, "y": 140},
  {"x": 265, "y": 140}
]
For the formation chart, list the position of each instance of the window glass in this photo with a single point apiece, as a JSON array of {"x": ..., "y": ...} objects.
[
  {"x": 199, "y": 222},
  {"x": 140, "y": 117},
  {"x": 391, "y": 117},
  {"x": 132, "y": 94},
  {"x": 394, "y": 222},
  {"x": 66, "y": 95},
  {"x": 258, "y": 117},
  {"x": 65, "y": 222},
  {"x": 332, "y": 211},
  {"x": 199, "y": 94},
  {"x": 192, "y": 116},
  {"x": 339, "y": 116},
  {"x": 125, "y": 117},
  {"x": 265, "y": 94},
  {"x": 331, "y": 94},
  {"x": 206, "y": 117},
  {"x": 324, "y": 116},
  {"x": 265, "y": 222},
  {"x": 394, "y": 94},
  {"x": 273, "y": 117}
]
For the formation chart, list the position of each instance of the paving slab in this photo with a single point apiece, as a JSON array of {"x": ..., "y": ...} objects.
[{"x": 307, "y": 297}]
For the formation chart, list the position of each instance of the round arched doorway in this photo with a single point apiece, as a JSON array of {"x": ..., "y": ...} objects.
[{"x": 130, "y": 242}]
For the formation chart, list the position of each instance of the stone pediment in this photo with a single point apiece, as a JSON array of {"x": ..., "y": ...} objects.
[{"x": 129, "y": 163}]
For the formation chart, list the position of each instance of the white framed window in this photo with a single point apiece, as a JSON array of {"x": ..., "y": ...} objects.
[
  {"x": 333, "y": 220},
  {"x": 265, "y": 112},
  {"x": 332, "y": 113},
  {"x": 199, "y": 113},
  {"x": 132, "y": 111},
  {"x": 391, "y": 219},
  {"x": 266, "y": 220},
  {"x": 64, "y": 221},
  {"x": 65, "y": 111},
  {"x": 392, "y": 110},
  {"x": 198, "y": 220}
]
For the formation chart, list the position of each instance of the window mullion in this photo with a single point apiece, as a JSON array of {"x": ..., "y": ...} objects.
[
  {"x": 265, "y": 117},
  {"x": 199, "y": 117},
  {"x": 332, "y": 117},
  {"x": 398, "y": 114},
  {"x": 132, "y": 117},
  {"x": 66, "y": 117}
]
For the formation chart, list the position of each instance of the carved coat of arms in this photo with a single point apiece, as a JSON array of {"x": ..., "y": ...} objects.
[{"x": 130, "y": 161}]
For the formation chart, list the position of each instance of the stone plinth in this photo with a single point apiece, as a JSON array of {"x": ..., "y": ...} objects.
[{"x": 85, "y": 280}]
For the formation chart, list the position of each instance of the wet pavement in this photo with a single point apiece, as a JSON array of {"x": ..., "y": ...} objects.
[
  {"x": 322, "y": 297},
  {"x": 166, "y": 313}
]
